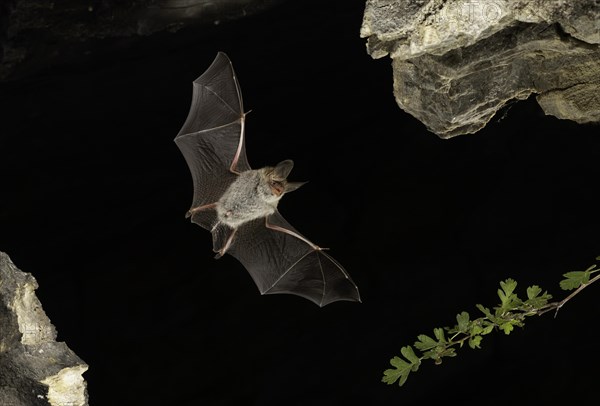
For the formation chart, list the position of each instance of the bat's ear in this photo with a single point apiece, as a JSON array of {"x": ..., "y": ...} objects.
[
  {"x": 291, "y": 186},
  {"x": 283, "y": 169}
]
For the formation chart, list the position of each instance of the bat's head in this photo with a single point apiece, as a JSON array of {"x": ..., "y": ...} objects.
[{"x": 276, "y": 179}]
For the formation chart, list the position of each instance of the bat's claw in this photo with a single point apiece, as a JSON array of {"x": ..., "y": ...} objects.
[{"x": 193, "y": 210}]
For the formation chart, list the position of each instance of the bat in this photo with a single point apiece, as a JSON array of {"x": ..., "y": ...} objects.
[{"x": 238, "y": 204}]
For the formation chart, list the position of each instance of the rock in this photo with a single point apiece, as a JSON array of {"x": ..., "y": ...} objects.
[
  {"x": 457, "y": 62},
  {"x": 36, "y": 32},
  {"x": 34, "y": 368},
  {"x": 173, "y": 14}
]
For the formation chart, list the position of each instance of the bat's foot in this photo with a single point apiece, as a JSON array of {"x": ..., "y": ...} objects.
[
  {"x": 226, "y": 246},
  {"x": 194, "y": 210}
]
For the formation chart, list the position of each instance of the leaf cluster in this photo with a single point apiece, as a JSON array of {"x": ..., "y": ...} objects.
[{"x": 511, "y": 312}]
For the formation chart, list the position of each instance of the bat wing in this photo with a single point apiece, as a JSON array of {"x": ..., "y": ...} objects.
[
  {"x": 281, "y": 260},
  {"x": 212, "y": 137}
]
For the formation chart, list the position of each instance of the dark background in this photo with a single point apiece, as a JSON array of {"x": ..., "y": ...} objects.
[{"x": 94, "y": 191}]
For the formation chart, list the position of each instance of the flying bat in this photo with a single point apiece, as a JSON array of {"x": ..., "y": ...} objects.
[{"x": 238, "y": 204}]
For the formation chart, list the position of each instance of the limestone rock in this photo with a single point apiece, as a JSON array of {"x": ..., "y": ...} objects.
[
  {"x": 457, "y": 62},
  {"x": 34, "y": 368}
]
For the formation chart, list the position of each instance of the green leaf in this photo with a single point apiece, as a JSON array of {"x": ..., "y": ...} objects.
[
  {"x": 502, "y": 296},
  {"x": 508, "y": 286},
  {"x": 439, "y": 334},
  {"x": 487, "y": 329},
  {"x": 509, "y": 299},
  {"x": 536, "y": 300},
  {"x": 410, "y": 355},
  {"x": 448, "y": 352},
  {"x": 475, "y": 341},
  {"x": 533, "y": 291},
  {"x": 432, "y": 354},
  {"x": 425, "y": 342},
  {"x": 574, "y": 279},
  {"x": 463, "y": 321},
  {"x": 485, "y": 311},
  {"x": 401, "y": 368},
  {"x": 507, "y": 327}
]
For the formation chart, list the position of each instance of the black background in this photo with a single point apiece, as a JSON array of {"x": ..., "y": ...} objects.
[{"x": 93, "y": 193}]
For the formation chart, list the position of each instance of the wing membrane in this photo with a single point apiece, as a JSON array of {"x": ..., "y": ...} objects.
[
  {"x": 281, "y": 262},
  {"x": 212, "y": 137}
]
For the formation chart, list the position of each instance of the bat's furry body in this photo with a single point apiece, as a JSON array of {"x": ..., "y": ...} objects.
[
  {"x": 246, "y": 199},
  {"x": 254, "y": 194},
  {"x": 238, "y": 204}
]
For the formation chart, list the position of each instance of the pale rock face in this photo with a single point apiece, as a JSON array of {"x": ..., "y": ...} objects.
[
  {"x": 457, "y": 62},
  {"x": 34, "y": 368}
]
